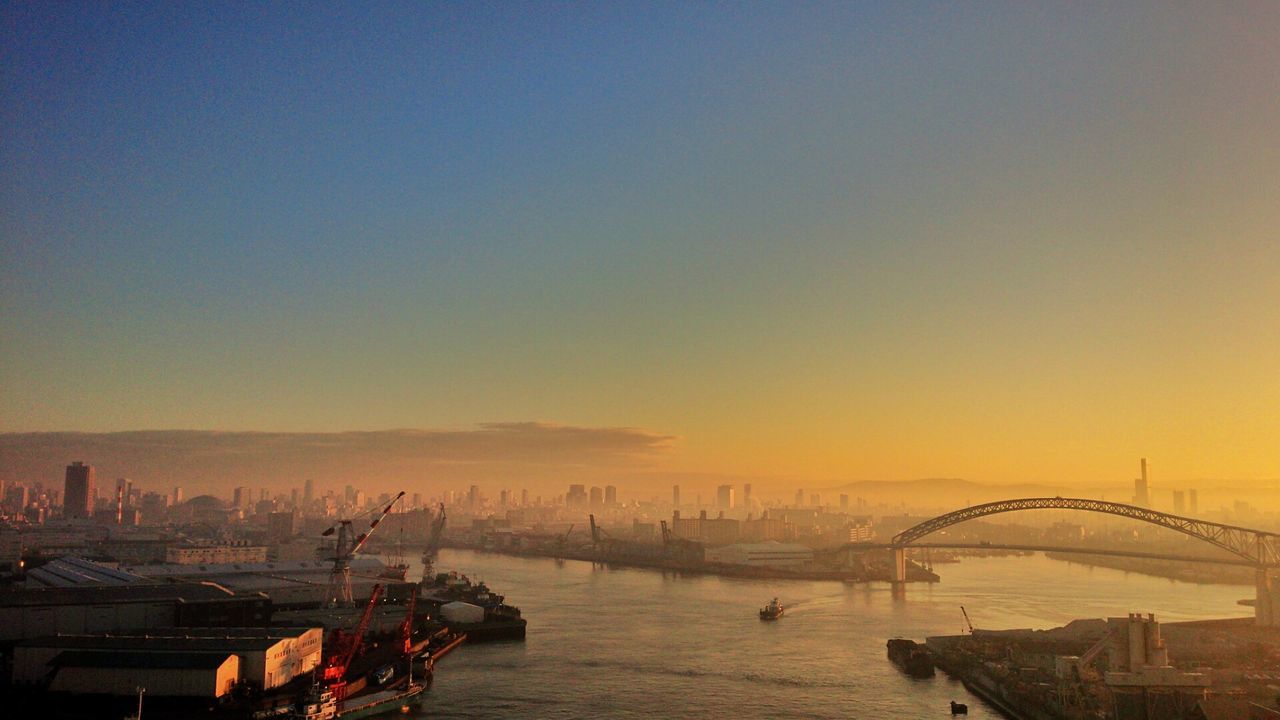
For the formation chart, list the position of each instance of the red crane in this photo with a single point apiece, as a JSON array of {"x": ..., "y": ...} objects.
[
  {"x": 406, "y": 627},
  {"x": 346, "y": 645}
]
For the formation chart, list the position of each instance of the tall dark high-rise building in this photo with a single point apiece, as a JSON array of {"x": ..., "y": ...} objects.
[
  {"x": 80, "y": 491},
  {"x": 746, "y": 496},
  {"x": 675, "y": 496},
  {"x": 308, "y": 491},
  {"x": 1141, "y": 491},
  {"x": 610, "y": 495},
  {"x": 177, "y": 494},
  {"x": 724, "y": 497},
  {"x": 241, "y": 498},
  {"x": 1193, "y": 501},
  {"x": 800, "y": 497},
  {"x": 597, "y": 498}
]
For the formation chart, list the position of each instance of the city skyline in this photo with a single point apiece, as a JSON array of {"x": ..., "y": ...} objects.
[{"x": 876, "y": 241}]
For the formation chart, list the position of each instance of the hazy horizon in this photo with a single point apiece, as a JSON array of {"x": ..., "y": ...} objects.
[{"x": 542, "y": 457}]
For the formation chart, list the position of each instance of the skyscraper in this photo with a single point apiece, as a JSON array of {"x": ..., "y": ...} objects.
[
  {"x": 724, "y": 497},
  {"x": 746, "y": 496},
  {"x": 1141, "y": 493},
  {"x": 675, "y": 496},
  {"x": 597, "y": 498},
  {"x": 1193, "y": 501},
  {"x": 308, "y": 490},
  {"x": 800, "y": 497},
  {"x": 240, "y": 498},
  {"x": 610, "y": 495},
  {"x": 79, "y": 493},
  {"x": 177, "y": 494}
]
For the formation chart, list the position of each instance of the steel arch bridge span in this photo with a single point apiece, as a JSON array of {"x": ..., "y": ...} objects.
[{"x": 1258, "y": 547}]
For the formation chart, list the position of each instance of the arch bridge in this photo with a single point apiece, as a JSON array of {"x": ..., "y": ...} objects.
[{"x": 1260, "y": 548}]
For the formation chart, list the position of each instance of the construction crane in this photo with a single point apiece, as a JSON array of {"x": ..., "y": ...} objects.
[
  {"x": 966, "y": 619},
  {"x": 433, "y": 544},
  {"x": 345, "y": 548},
  {"x": 345, "y": 646}
]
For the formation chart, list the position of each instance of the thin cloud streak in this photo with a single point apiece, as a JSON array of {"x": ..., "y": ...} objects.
[{"x": 516, "y": 454}]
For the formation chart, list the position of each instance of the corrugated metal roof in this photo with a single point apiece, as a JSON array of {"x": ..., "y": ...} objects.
[
  {"x": 152, "y": 644},
  {"x": 73, "y": 571},
  {"x": 150, "y": 660},
  {"x": 104, "y": 595}
]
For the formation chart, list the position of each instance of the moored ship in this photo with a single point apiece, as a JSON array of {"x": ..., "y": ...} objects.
[{"x": 911, "y": 657}]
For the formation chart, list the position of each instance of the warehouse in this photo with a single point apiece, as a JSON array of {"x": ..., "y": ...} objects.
[
  {"x": 266, "y": 657},
  {"x": 177, "y": 674}
]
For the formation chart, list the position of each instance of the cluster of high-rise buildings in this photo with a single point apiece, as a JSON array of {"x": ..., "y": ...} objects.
[{"x": 1187, "y": 502}]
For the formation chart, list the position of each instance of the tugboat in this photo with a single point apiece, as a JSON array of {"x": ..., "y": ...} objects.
[{"x": 772, "y": 611}]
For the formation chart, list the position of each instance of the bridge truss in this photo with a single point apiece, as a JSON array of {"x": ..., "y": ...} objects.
[{"x": 1258, "y": 547}]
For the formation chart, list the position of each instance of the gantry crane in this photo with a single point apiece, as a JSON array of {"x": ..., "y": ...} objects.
[{"x": 344, "y": 549}]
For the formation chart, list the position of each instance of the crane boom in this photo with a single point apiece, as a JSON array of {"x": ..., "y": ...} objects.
[
  {"x": 348, "y": 644},
  {"x": 340, "y": 578},
  {"x": 966, "y": 619},
  {"x": 362, "y": 537}
]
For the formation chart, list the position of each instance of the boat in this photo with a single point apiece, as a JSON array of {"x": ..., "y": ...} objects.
[
  {"x": 772, "y": 611},
  {"x": 318, "y": 703},
  {"x": 911, "y": 657},
  {"x": 381, "y": 701}
]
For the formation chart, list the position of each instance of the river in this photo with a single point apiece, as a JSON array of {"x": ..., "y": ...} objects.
[{"x": 607, "y": 642}]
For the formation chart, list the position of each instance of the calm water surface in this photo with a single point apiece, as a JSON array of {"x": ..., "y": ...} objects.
[{"x": 628, "y": 643}]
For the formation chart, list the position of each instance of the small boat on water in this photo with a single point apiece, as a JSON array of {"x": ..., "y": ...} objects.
[{"x": 772, "y": 611}]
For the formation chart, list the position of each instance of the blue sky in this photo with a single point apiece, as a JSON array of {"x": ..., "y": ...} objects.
[{"x": 809, "y": 238}]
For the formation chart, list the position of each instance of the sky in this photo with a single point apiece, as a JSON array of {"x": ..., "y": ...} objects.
[{"x": 1009, "y": 242}]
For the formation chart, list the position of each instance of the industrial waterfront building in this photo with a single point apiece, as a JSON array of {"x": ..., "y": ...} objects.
[{"x": 198, "y": 662}]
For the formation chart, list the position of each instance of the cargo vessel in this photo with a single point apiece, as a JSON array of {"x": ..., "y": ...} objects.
[{"x": 911, "y": 657}]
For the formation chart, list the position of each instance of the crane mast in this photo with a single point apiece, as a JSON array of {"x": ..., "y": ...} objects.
[
  {"x": 345, "y": 548},
  {"x": 433, "y": 544}
]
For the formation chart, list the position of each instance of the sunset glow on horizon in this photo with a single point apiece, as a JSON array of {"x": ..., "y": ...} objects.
[{"x": 817, "y": 244}]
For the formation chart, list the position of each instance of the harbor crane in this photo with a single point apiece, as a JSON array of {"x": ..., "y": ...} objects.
[
  {"x": 967, "y": 621},
  {"x": 406, "y": 626},
  {"x": 345, "y": 548},
  {"x": 433, "y": 544},
  {"x": 599, "y": 537},
  {"x": 345, "y": 646},
  {"x": 562, "y": 539},
  {"x": 679, "y": 548}
]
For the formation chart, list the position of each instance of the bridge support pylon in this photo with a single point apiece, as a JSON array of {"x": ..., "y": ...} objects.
[
  {"x": 899, "y": 565},
  {"x": 1266, "y": 608}
]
